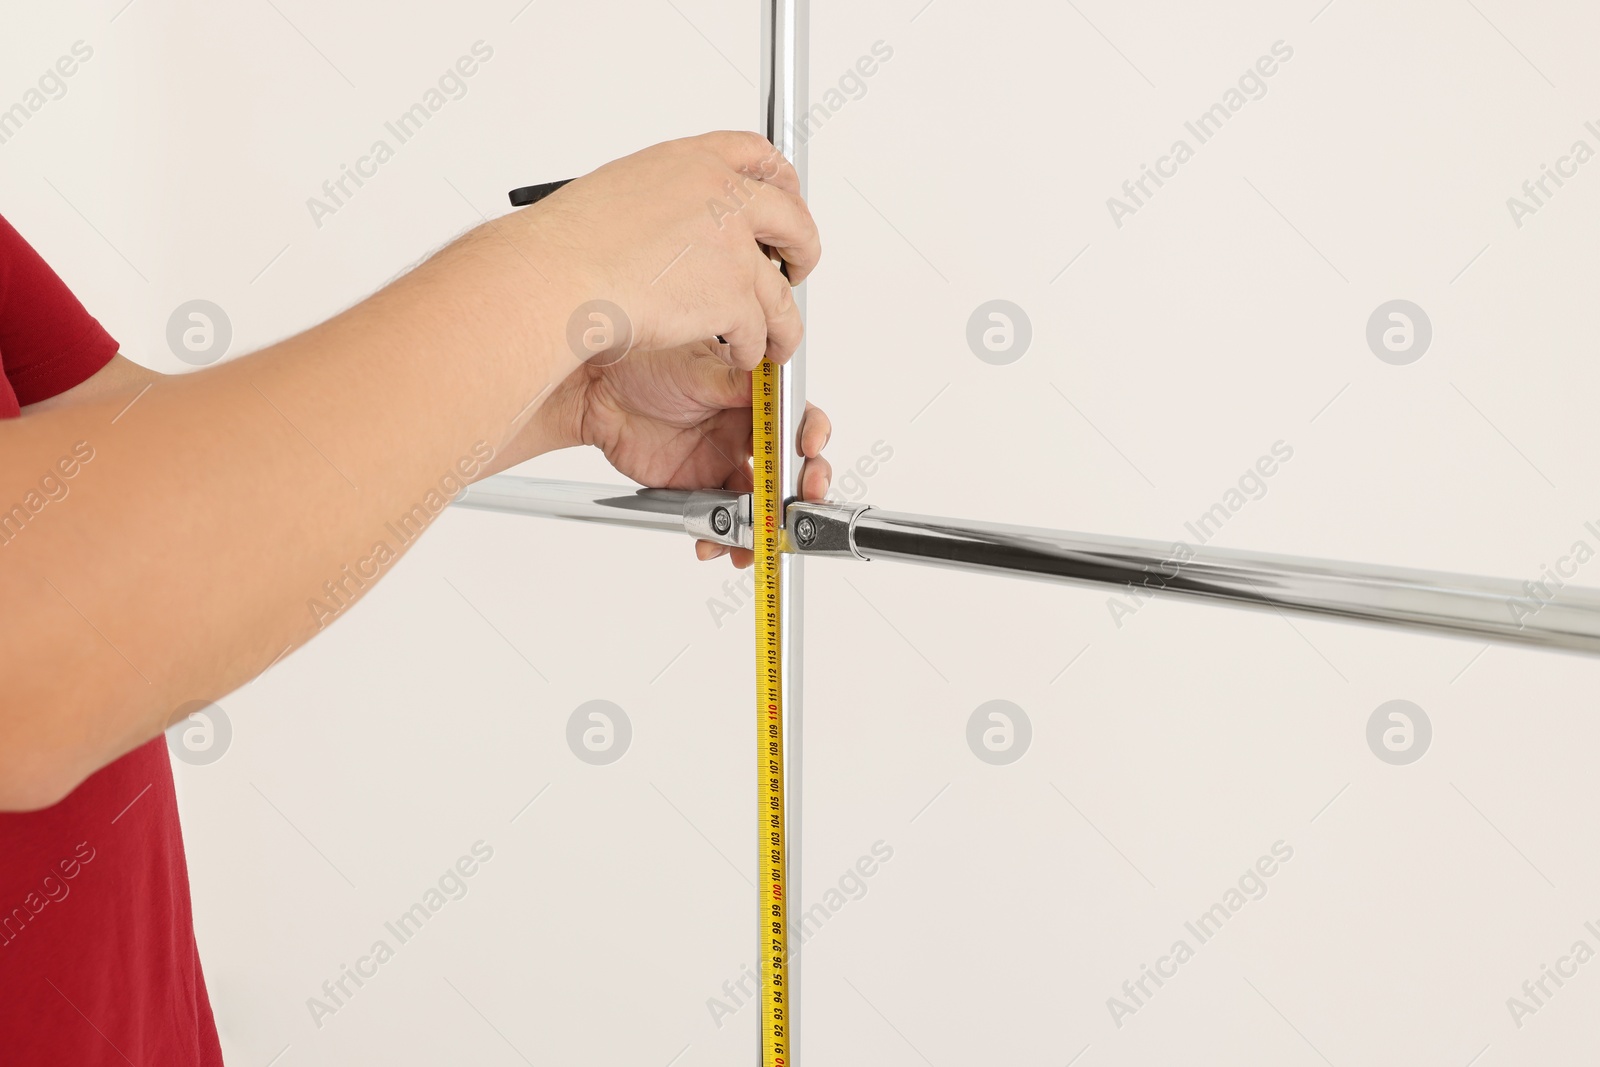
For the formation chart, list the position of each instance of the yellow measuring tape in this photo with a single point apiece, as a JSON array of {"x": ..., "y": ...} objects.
[{"x": 765, "y": 401}]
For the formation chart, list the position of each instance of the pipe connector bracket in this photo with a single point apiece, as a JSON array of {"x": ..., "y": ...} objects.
[
  {"x": 721, "y": 517},
  {"x": 821, "y": 529}
]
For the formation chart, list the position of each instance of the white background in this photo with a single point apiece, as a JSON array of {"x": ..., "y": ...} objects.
[{"x": 1227, "y": 314}]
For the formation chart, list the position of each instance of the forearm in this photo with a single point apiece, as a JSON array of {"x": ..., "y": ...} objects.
[{"x": 227, "y": 515}]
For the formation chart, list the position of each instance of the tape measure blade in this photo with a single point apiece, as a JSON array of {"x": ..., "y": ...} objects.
[{"x": 772, "y": 902}]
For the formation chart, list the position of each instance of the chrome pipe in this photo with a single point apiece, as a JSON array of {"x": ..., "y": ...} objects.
[
  {"x": 1461, "y": 605},
  {"x": 707, "y": 514},
  {"x": 656, "y": 509}
]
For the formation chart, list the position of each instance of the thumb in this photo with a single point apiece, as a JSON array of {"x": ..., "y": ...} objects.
[{"x": 717, "y": 384}]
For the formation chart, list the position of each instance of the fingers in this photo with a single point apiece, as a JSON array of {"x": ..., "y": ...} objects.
[
  {"x": 781, "y": 221},
  {"x": 815, "y": 478},
  {"x": 815, "y": 429},
  {"x": 709, "y": 550},
  {"x": 768, "y": 326},
  {"x": 739, "y": 557},
  {"x": 752, "y": 153},
  {"x": 747, "y": 336},
  {"x": 775, "y": 294},
  {"x": 717, "y": 384},
  {"x": 771, "y": 202}
]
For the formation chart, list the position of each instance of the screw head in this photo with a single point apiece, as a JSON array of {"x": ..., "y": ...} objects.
[
  {"x": 805, "y": 530},
  {"x": 721, "y": 520}
]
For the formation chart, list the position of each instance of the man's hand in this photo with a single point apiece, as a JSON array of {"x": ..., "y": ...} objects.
[
  {"x": 677, "y": 235},
  {"x": 673, "y": 419},
  {"x": 232, "y": 513}
]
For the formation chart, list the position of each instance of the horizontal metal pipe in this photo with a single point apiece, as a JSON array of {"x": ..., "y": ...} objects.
[
  {"x": 1491, "y": 609},
  {"x": 1495, "y": 609},
  {"x": 643, "y": 509},
  {"x": 708, "y": 514}
]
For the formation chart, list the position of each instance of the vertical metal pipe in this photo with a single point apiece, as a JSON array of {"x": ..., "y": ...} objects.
[{"x": 785, "y": 33}]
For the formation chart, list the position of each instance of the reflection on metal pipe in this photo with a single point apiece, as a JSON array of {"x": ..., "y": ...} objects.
[
  {"x": 1492, "y": 609},
  {"x": 707, "y": 514}
]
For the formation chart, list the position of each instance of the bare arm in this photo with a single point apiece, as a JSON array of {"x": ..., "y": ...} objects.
[
  {"x": 116, "y": 378},
  {"x": 202, "y": 523}
]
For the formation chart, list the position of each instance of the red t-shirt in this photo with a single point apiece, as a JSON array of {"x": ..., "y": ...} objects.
[{"x": 97, "y": 955}]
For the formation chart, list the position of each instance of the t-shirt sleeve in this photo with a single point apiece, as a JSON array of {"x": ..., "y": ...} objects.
[{"x": 48, "y": 342}]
